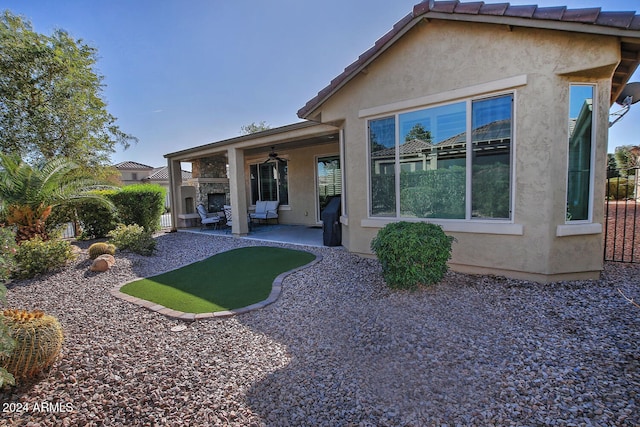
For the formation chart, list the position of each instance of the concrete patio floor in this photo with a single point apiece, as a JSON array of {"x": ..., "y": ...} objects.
[{"x": 282, "y": 233}]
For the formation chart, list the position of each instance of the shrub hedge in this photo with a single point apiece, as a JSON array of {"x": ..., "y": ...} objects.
[
  {"x": 620, "y": 188},
  {"x": 141, "y": 204}
]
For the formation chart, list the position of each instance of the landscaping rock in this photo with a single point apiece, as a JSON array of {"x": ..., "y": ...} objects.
[
  {"x": 102, "y": 263},
  {"x": 338, "y": 348}
]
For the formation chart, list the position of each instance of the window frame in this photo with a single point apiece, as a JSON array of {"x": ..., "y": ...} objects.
[
  {"x": 317, "y": 159},
  {"x": 469, "y": 219},
  {"x": 258, "y": 178},
  {"x": 592, "y": 155}
]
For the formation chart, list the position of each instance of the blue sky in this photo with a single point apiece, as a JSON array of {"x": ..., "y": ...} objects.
[{"x": 181, "y": 73}]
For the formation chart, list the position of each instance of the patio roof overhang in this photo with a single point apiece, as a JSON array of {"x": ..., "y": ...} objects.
[{"x": 286, "y": 137}]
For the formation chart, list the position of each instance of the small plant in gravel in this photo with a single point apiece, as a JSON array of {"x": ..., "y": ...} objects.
[
  {"x": 38, "y": 340},
  {"x": 8, "y": 249},
  {"x": 36, "y": 256},
  {"x": 7, "y": 344},
  {"x": 133, "y": 238},
  {"x": 101, "y": 248},
  {"x": 412, "y": 253}
]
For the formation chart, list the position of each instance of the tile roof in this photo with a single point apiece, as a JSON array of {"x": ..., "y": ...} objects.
[
  {"x": 162, "y": 174},
  {"x": 132, "y": 165},
  {"x": 495, "y": 131},
  {"x": 588, "y": 20},
  {"x": 410, "y": 147}
]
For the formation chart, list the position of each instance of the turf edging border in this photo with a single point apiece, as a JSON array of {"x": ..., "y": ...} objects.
[{"x": 276, "y": 289}]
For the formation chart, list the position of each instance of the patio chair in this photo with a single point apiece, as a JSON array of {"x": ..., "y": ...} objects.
[
  {"x": 206, "y": 218},
  {"x": 227, "y": 214},
  {"x": 265, "y": 211}
]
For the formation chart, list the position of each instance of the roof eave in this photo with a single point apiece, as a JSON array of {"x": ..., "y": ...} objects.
[
  {"x": 263, "y": 138},
  {"x": 310, "y": 110}
]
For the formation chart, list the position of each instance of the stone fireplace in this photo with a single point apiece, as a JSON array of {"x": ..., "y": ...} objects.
[
  {"x": 211, "y": 182},
  {"x": 216, "y": 202}
]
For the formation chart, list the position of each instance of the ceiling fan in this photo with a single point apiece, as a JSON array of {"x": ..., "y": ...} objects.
[{"x": 273, "y": 157}]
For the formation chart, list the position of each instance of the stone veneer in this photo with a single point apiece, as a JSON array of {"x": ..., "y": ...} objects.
[
  {"x": 210, "y": 177},
  {"x": 210, "y": 167}
]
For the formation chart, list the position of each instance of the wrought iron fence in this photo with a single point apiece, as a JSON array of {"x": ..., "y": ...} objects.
[{"x": 622, "y": 217}]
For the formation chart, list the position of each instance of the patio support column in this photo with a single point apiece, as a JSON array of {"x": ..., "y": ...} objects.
[
  {"x": 175, "y": 183},
  {"x": 237, "y": 189}
]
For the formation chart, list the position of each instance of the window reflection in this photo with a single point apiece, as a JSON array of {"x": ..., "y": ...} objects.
[{"x": 580, "y": 152}]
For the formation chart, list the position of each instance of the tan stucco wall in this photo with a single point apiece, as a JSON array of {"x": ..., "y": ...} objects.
[
  {"x": 302, "y": 182},
  {"x": 438, "y": 57}
]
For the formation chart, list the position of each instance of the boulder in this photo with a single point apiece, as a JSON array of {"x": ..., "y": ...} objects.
[
  {"x": 102, "y": 263},
  {"x": 109, "y": 258}
]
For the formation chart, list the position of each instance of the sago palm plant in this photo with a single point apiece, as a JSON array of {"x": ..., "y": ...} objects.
[{"x": 28, "y": 193}]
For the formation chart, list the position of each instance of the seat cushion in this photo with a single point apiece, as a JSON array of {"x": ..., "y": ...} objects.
[
  {"x": 201, "y": 211},
  {"x": 261, "y": 207},
  {"x": 211, "y": 220},
  {"x": 272, "y": 206}
]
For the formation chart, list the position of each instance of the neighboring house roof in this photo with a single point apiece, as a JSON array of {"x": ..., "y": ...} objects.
[
  {"x": 409, "y": 147},
  {"x": 162, "y": 174},
  {"x": 590, "y": 20},
  {"x": 499, "y": 130},
  {"x": 494, "y": 131},
  {"x": 132, "y": 165}
]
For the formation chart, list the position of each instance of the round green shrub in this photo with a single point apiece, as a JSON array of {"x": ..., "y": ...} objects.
[
  {"x": 36, "y": 256},
  {"x": 133, "y": 238},
  {"x": 619, "y": 188},
  {"x": 412, "y": 253}
]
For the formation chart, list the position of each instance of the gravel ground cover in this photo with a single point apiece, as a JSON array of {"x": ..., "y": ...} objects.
[{"x": 337, "y": 349}]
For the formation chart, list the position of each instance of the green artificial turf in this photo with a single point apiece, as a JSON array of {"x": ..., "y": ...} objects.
[{"x": 228, "y": 280}]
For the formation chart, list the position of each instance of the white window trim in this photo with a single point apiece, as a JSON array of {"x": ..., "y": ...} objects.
[
  {"x": 446, "y": 97},
  {"x": 455, "y": 226},
  {"x": 284, "y": 207},
  {"x": 592, "y": 165},
  {"x": 317, "y": 184},
  {"x": 578, "y": 229},
  {"x": 468, "y": 224}
]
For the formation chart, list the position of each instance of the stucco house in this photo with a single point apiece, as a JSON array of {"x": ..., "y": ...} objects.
[
  {"x": 133, "y": 172},
  {"x": 490, "y": 120},
  {"x": 138, "y": 173}
]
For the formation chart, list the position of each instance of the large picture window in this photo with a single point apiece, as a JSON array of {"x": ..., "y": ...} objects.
[
  {"x": 270, "y": 182},
  {"x": 579, "y": 176},
  {"x": 450, "y": 162}
]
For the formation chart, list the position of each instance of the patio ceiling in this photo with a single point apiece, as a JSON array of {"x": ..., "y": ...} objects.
[{"x": 291, "y": 145}]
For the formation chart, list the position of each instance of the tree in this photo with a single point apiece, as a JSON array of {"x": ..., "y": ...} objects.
[
  {"x": 28, "y": 193},
  {"x": 50, "y": 98},
  {"x": 627, "y": 158},
  {"x": 612, "y": 166},
  {"x": 418, "y": 132},
  {"x": 254, "y": 127}
]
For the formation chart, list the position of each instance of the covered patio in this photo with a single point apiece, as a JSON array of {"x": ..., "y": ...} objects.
[
  {"x": 281, "y": 233},
  {"x": 285, "y": 165}
]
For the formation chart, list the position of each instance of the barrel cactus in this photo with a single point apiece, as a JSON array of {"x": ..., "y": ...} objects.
[
  {"x": 101, "y": 248},
  {"x": 38, "y": 340}
]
